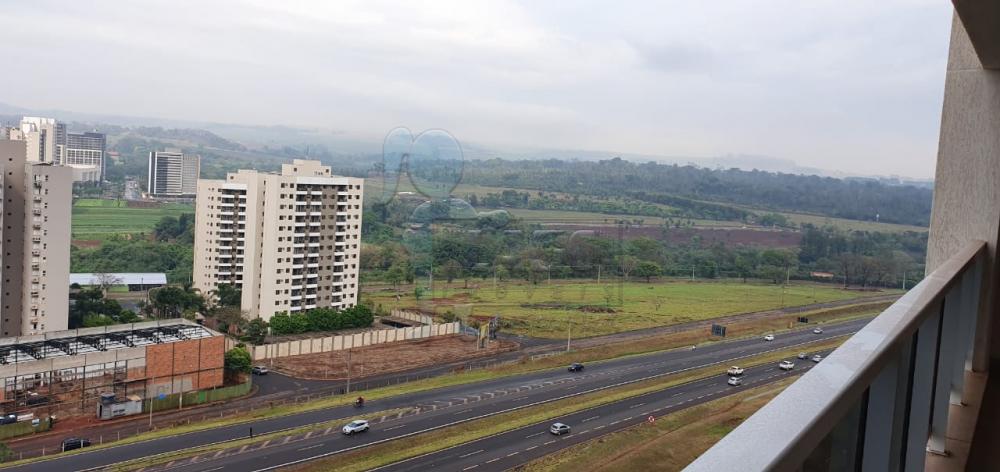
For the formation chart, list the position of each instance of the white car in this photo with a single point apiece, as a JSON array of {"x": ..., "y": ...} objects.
[
  {"x": 735, "y": 371},
  {"x": 817, "y": 358},
  {"x": 786, "y": 365},
  {"x": 735, "y": 381},
  {"x": 769, "y": 337},
  {"x": 803, "y": 356},
  {"x": 559, "y": 429},
  {"x": 356, "y": 426},
  {"x": 818, "y": 330}
]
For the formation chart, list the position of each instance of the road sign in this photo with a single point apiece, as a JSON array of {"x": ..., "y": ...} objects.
[
  {"x": 161, "y": 396},
  {"x": 651, "y": 419},
  {"x": 718, "y": 330}
]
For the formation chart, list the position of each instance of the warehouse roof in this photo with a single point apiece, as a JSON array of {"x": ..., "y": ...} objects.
[
  {"x": 18, "y": 349},
  {"x": 120, "y": 278}
]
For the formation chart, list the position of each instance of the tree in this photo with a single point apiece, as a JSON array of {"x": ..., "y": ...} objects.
[
  {"x": 627, "y": 264},
  {"x": 228, "y": 295},
  {"x": 648, "y": 269},
  {"x": 90, "y": 308},
  {"x": 171, "y": 301},
  {"x": 451, "y": 270},
  {"x": 106, "y": 280},
  {"x": 255, "y": 331},
  {"x": 238, "y": 359}
]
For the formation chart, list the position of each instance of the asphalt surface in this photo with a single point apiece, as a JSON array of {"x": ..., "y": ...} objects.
[
  {"x": 519, "y": 446},
  {"x": 443, "y": 407}
]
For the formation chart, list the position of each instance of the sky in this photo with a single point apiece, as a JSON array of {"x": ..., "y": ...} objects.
[{"x": 850, "y": 86}]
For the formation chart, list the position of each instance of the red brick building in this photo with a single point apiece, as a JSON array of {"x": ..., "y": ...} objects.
[{"x": 64, "y": 373}]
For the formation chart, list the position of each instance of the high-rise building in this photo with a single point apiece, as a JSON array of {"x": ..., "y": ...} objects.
[
  {"x": 84, "y": 152},
  {"x": 43, "y": 138},
  {"x": 34, "y": 262},
  {"x": 290, "y": 240},
  {"x": 173, "y": 173}
]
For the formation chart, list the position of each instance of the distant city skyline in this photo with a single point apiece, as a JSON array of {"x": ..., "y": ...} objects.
[{"x": 853, "y": 87}]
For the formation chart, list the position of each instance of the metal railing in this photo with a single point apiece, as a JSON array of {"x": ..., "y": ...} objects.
[{"x": 880, "y": 401}]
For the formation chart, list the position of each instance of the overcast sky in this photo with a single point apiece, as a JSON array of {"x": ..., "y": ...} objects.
[{"x": 854, "y": 86}]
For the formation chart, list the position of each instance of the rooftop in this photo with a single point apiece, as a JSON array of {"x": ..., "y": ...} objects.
[{"x": 19, "y": 349}]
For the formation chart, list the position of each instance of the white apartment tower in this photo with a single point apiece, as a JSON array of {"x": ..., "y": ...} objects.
[
  {"x": 43, "y": 138},
  {"x": 290, "y": 240},
  {"x": 34, "y": 262},
  {"x": 173, "y": 173}
]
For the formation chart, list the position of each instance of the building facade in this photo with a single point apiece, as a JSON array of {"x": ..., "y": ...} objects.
[
  {"x": 290, "y": 240},
  {"x": 34, "y": 289},
  {"x": 84, "y": 152},
  {"x": 65, "y": 373},
  {"x": 43, "y": 138},
  {"x": 173, "y": 173}
]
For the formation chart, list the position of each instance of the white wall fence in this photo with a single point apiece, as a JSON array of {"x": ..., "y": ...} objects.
[
  {"x": 411, "y": 316},
  {"x": 350, "y": 341}
]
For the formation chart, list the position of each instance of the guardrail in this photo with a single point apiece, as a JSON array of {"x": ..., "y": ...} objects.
[{"x": 880, "y": 401}]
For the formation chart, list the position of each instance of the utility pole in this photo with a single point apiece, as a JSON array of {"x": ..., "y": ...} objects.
[
  {"x": 348, "y": 372},
  {"x": 692, "y": 273},
  {"x": 904, "y": 280},
  {"x": 569, "y": 331},
  {"x": 598, "y": 274}
]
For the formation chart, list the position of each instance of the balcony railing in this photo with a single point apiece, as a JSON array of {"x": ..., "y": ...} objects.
[{"x": 879, "y": 402}]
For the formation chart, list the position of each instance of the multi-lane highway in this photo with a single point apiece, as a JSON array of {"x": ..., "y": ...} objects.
[
  {"x": 518, "y": 446},
  {"x": 438, "y": 408}
]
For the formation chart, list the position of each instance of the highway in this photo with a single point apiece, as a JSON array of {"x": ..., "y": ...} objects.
[
  {"x": 438, "y": 408},
  {"x": 518, "y": 446}
]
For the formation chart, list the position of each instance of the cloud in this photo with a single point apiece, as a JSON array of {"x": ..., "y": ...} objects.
[{"x": 843, "y": 84}]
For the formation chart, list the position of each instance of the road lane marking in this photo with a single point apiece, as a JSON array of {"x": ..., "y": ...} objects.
[
  {"x": 550, "y": 442},
  {"x": 463, "y": 411},
  {"x": 471, "y": 454},
  {"x": 685, "y": 368},
  {"x": 637, "y": 405},
  {"x": 591, "y": 418},
  {"x": 513, "y": 453},
  {"x": 530, "y": 448},
  {"x": 471, "y": 467},
  {"x": 310, "y": 447},
  {"x": 533, "y": 435},
  {"x": 394, "y": 427}
]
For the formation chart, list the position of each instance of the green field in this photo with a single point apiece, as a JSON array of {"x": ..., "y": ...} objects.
[
  {"x": 851, "y": 225},
  {"x": 548, "y": 309},
  {"x": 98, "y": 219}
]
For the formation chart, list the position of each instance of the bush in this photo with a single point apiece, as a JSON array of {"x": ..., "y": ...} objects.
[
  {"x": 322, "y": 319},
  {"x": 238, "y": 360}
]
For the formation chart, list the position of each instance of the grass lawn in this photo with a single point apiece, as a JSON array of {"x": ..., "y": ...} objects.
[
  {"x": 98, "y": 219},
  {"x": 546, "y": 310}
]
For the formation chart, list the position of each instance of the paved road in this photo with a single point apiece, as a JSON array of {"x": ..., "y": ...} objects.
[
  {"x": 276, "y": 387},
  {"x": 439, "y": 408},
  {"x": 519, "y": 446}
]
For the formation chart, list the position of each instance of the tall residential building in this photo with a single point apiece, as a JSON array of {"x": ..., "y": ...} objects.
[
  {"x": 290, "y": 240},
  {"x": 84, "y": 152},
  {"x": 173, "y": 173},
  {"x": 43, "y": 138},
  {"x": 34, "y": 289}
]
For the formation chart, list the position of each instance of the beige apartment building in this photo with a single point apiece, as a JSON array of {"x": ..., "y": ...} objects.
[
  {"x": 34, "y": 290},
  {"x": 290, "y": 240}
]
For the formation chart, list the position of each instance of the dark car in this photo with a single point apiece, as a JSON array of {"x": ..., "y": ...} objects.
[
  {"x": 575, "y": 367},
  {"x": 69, "y": 444}
]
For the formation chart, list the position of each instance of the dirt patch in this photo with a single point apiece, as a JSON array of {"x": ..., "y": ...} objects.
[
  {"x": 390, "y": 357},
  {"x": 87, "y": 243},
  {"x": 597, "y": 309}
]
